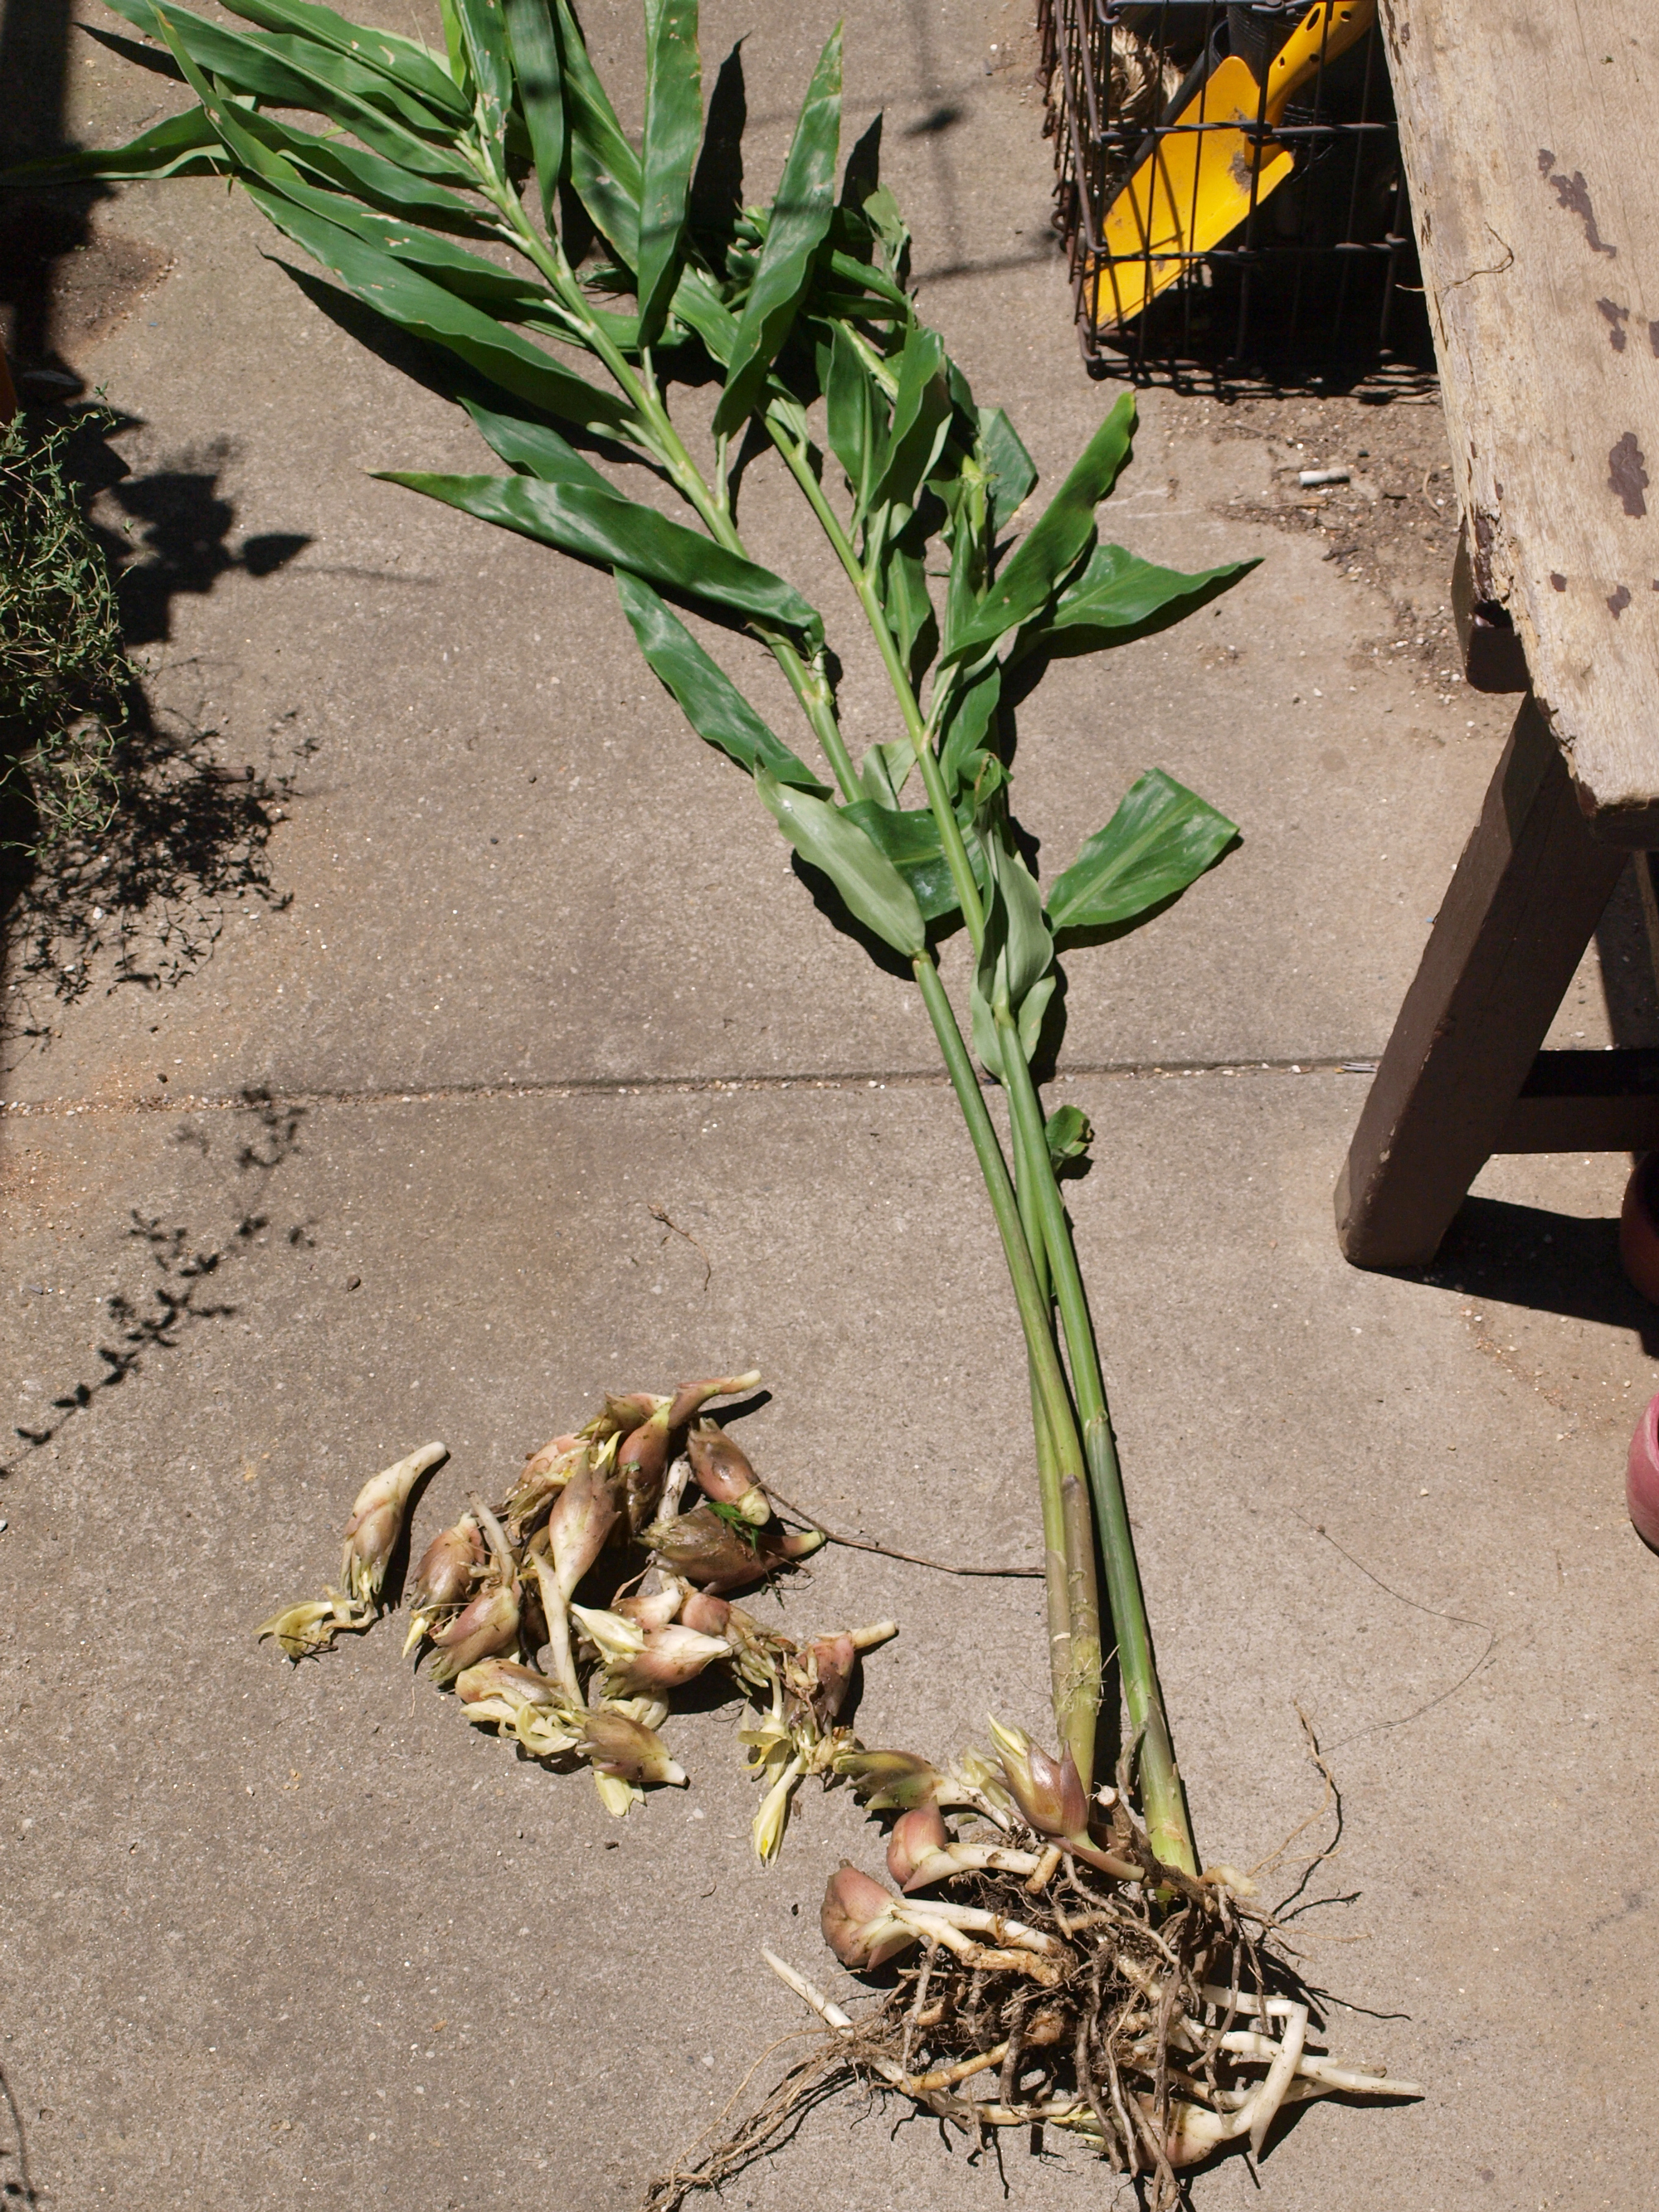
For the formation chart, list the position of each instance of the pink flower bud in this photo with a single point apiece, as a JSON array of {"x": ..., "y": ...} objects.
[
  {"x": 377, "y": 1518},
  {"x": 643, "y": 1461},
  {"x": 833, "y": 1659},
  {"x": 860, "y": 1922},
  {"x": 672, "y": 1655},
  {"x": 724, "y": 1473},
  {"x": 488, "y": 1625},
  {"x": 1048, "y": 1791},
  {"x": 445, "y": 1574},
  {"x": 587, "y": 1509},
  {"x": 707, "y": 1616},
  {"x": 692, "y": 1397},
  {"x": 543, "y": 1474},
  {"x": 917, "y": 1836},
  {"x": 655, "y": 1611},
  {"x": 615, "y": 1744}
]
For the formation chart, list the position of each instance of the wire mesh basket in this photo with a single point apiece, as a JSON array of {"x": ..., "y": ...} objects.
[{"x": 1228, "y": 187}]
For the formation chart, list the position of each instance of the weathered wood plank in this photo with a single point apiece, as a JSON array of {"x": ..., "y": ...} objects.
[
  {"x": 1530, "y": 134},
  {"x": 1517, "y": 915}
]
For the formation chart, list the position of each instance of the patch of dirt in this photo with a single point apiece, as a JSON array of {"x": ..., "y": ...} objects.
[
  {"x": 1393, "y": 526},
  {"x": 97, "y": 285}
]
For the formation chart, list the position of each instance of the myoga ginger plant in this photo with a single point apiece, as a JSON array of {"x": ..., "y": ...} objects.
[{"x": 1102, "y": 1983}]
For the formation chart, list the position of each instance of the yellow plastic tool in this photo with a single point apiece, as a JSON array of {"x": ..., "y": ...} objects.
[{"x": 1199, "y": 183}]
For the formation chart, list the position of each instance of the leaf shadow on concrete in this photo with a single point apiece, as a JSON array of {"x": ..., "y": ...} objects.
[{"x": 188, "y": 1272}]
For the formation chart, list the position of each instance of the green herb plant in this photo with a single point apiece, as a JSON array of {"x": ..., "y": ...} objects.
[
  {"x": 65, "y": 679},
  {"x": 631, "y": 273}
]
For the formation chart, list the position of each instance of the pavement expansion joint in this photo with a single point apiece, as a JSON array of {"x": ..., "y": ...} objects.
[{"x": 636, "y": 1087}]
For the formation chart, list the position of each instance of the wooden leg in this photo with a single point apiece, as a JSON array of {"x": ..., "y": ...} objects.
[{"x": 1512, "y": 928}]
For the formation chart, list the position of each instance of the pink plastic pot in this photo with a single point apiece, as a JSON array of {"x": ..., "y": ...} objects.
[
  {"x": 1638, "y": 1228},
  {"x": 1642, "y": 1476}
]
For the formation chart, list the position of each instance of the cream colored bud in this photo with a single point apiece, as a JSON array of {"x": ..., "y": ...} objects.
[
  {"x": 655, "y": 1608},
  {"x": 312, "y": 1626},
  {"x": 377, "y": 1518},
  {"x": 671, "y": 1657},
  {"x": 618, "y": 1746},
  {"x": 890, "y": 1781}
]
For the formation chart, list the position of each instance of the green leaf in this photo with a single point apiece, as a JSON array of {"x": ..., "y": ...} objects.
[
  {"x": 906, "y": 605},
  {"x": 909, "y": 837},
  {"x": 885, "y": 769},
  {"x": 344, "y": 167},
  {"x": 1015, "y": 976},
  {"x": 623, "y": 533},
  {"x": 799, "y": 216},
  {"x": 700, "y": 308},
  {"x": 431, "y": 313},
  {"x": 1029, "y": 949},
  {"x": 533, "y": 448},
  {"x": 535, "y": 52},
  {"x": 1162, "y": 838},
  {"x": 185, "y": 145},
  {"x": 707, "y": 696},
  {"x": 1041, "y": 561},
  {"x": 921, "y": 414},
  {"x": 483, "y": 37},
  {"x": 972, "y": 716},
  {"x": 468, "y": 276},
  {"x": 1013, "y": 471},
  {"x": 854, "y": 412},
  {"x": 604, "y": 170},
  {"x": 296, "y": 72},
  {"x": 673, "y": 128},
  {"x": 871, "y": 885},
  {"x": 1068, "y": 1134},
  {"x": 403, "y": 61},
  {"x": 1120, "y": 597},
  {"x": 1028, "y": 1022}
]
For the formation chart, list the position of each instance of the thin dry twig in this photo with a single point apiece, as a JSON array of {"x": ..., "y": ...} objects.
[
  {"x": 1462, "y": 1619},
  {"x": 661, "y": 1213},
  {"x": 887, "y": 1552}
]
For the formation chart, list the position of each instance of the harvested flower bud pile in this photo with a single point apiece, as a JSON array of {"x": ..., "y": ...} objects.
[{"x": 495, "y": 1600}]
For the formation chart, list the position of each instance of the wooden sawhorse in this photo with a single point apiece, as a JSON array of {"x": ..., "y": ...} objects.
[{"x": 1529, "y": 154}]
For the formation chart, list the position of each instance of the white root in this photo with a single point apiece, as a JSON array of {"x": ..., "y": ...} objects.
[
  {"x": 972, "y": 1858},
  {"x": 1293, "y": 2076},
  {"x": 1280, "y": 2074},
  {"x": 971, "y": 1916}
]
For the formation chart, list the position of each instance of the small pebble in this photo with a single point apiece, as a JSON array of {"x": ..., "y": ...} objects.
[{"x": 353, "y": 1282}]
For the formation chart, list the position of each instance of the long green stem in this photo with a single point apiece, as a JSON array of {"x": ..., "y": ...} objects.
[
  {"x": 915, "y": 726},
  {"x": 1074, "y": 1640},
  {"x": 1023, "y": 1218},
  {"x": 1048, "y": 1235},
  {"x": 1162, "y": 1795}
]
